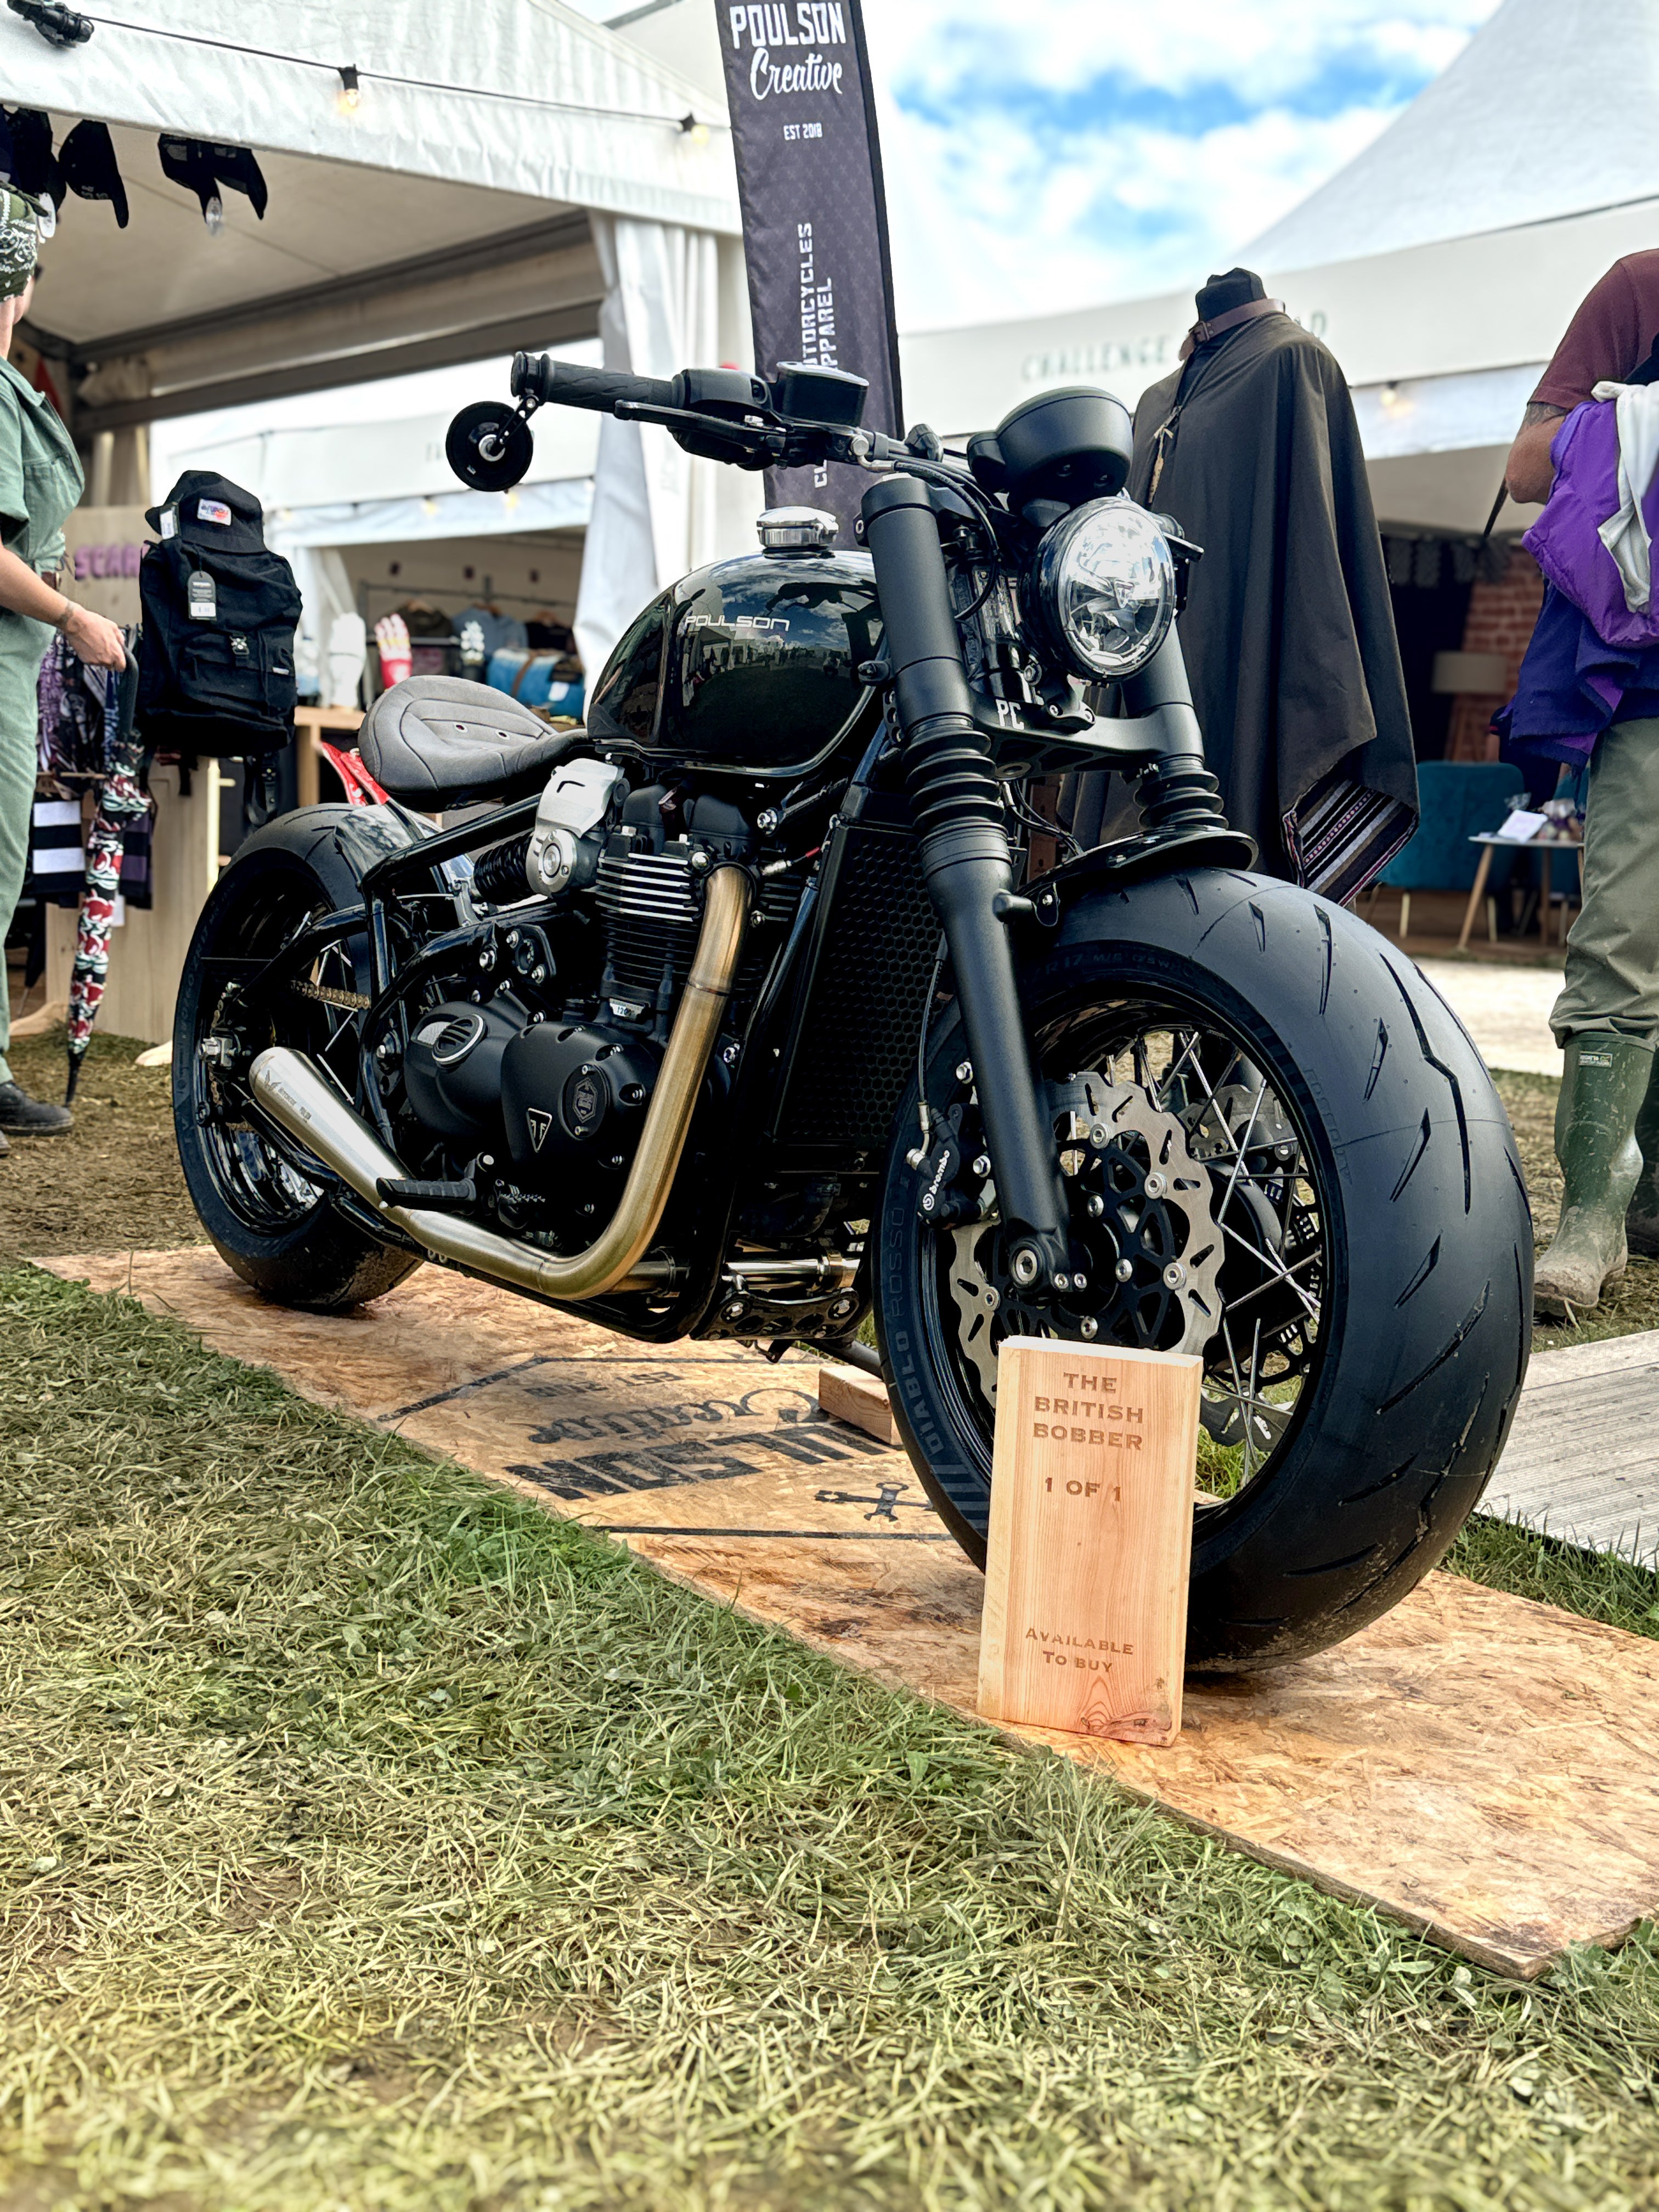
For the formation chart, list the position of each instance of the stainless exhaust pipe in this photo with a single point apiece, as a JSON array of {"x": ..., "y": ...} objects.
[{"x": 287, "y": 1085}]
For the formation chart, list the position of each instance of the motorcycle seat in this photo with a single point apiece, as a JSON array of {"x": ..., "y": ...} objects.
[{"x": 438, "y": 741}]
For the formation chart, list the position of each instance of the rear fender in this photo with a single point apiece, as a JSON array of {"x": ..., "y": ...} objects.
[{"x": 339, "y": 844}]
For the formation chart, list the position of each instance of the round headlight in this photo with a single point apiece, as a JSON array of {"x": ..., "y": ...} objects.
[{"x": 1105, "y": 586}]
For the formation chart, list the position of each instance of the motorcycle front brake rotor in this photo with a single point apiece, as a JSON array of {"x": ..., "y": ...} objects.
[{"x": 1142, "y": 1212}]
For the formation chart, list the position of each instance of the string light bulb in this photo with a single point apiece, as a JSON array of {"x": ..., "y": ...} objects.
[
  {"x": 213, "y": 214},
  {"x": 351, "y": 92},
  {"x": 695, "y": 131}
]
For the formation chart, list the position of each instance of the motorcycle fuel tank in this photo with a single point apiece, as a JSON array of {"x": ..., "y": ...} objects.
[{"x": 749, "y": 665}]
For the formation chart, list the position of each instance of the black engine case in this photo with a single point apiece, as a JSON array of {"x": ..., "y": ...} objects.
[
  {"x": 574, "y": 1096},
  {"x": 453, "y": 1068}
]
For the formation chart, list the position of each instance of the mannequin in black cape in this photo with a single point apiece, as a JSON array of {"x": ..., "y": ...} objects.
[{"x": 1253, "y": 448}]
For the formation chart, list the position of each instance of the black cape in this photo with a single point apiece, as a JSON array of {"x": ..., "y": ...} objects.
[{"x": 1289, "y": 631}]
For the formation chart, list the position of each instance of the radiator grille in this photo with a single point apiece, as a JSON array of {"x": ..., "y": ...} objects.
[{"x": 856, "y": 1048}]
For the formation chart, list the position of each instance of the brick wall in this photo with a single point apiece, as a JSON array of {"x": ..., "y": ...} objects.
[{"x": 1500, "y": 620}]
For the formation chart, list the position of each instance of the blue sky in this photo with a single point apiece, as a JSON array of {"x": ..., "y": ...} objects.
[{"x": 1058, "y": 152}]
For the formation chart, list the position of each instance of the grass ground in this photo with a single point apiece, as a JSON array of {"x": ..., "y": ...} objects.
[
  {"x": 114, "y": 1182},
  {"x": 369, "y": 1839}
]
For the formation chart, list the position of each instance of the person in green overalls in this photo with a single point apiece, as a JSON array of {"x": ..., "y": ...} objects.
[{"x": 41, "y": 481}]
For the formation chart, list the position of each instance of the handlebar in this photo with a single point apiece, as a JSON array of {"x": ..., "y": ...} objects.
[
  {"x": 565, "y": 384},
  {"x": 813, "y": 413}
]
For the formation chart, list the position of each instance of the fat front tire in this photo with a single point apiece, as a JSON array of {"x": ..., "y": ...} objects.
[
  {"x": 279, "y": 1233},
  {"x": 1402, "y": 1228}
]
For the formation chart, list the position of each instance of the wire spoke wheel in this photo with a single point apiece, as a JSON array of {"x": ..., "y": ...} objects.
[
  {"x": 276, "y": 1224},
  {"x": 1279, "y": 1153},
  {"x": 1197, "y": 1199},
  {"x": 255, "y": 1178}
]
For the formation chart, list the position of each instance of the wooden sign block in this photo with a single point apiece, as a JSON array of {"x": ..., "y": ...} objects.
[{"x": 1091, "y": 1540}]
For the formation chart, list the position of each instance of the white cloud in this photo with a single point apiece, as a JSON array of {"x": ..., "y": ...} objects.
[
  {"x": 1068, "y": 152},
  {"x": 1262, "y": 47}
]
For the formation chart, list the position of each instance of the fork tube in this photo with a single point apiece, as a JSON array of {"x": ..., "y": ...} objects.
[{"x": 966, "y": 861}]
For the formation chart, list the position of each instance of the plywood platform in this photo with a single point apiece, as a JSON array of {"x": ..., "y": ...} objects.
[
  {"x": 1482, "y": 1768},
  {"x": 1582, "y": 1459}
]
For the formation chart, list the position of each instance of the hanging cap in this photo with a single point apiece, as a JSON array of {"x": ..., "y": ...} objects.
[
  {"x": 34, "y": 167},
  {"x": 88, "y": 157},
  {"x": 202, "y": 168}
]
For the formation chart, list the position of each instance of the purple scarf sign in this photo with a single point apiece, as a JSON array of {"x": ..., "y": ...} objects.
[
  {"x": 1564, "y": 540},
  {"x": 814, "y": 215}
]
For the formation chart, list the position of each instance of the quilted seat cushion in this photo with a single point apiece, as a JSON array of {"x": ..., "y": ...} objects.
[{"x": 438, "y": 741}]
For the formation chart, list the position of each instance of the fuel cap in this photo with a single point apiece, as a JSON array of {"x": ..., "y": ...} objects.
[{"x": 783, "y": 529}]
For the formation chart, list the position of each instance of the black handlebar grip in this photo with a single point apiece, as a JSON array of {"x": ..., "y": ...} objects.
[{"x": 564, "y": 383}]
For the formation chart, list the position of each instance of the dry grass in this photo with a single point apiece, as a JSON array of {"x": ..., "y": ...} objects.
[
  {"x": 369, "y": 1839},
  {"x": 113, "y": 1183}
]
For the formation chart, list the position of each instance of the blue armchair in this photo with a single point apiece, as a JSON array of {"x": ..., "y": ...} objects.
[{"x": 1459, "y": 799}]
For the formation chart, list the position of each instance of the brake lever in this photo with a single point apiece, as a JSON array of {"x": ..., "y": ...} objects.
[{"x": 752, "y": 438}]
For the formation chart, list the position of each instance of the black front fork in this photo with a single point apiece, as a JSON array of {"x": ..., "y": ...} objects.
[{"x": 969, "y": 867}]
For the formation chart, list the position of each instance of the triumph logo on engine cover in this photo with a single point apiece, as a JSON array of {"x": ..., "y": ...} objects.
[{"x": 540, "y": 1122}]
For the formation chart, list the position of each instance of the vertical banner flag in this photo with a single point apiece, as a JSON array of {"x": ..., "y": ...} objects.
[{"x": 814, "y": 215}]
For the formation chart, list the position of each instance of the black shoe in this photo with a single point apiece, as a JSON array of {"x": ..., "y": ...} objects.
[{"x": 23, "y": 1116}]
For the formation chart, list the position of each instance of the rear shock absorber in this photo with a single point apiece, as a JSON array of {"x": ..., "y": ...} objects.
[{"x": 968, "y": 865}]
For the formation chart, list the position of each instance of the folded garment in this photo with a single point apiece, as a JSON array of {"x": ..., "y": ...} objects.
[
  {"x": 1567, "y": 539},
  {"x": 1625, "y": 534},
  {"x": 1573, "y": 685}
]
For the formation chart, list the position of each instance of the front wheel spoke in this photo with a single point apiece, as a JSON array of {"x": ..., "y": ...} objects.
[
  {"x": 1284, "y": 1275},
  {"x": 1281, "y": 1272}
]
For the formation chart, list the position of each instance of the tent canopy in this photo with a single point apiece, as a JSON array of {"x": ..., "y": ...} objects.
[
  {"x": 1548, "y": 112},
  {"x": 443, "y": 217}
]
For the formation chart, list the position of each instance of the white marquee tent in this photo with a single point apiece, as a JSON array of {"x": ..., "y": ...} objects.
[{"x": 508, "y": 174}]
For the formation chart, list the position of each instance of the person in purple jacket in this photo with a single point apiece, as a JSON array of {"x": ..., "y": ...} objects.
[{"x": 1607, "y": 1018}]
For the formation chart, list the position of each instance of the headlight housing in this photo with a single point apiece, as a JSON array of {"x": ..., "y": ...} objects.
[{"x": 1104, "y": 586}]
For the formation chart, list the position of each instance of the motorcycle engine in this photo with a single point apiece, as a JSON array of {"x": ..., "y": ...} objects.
[
  {"x": 574, "y": 1096},
  {"x": 559, "y": 1085},
  {"x": 575, "y": 1092}
]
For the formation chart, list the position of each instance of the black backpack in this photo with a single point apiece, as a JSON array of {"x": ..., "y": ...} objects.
[{"x": 215, "y": 661}]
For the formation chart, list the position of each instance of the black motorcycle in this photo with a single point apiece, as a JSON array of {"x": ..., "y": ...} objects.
[{"x": 736, "y": 1014}]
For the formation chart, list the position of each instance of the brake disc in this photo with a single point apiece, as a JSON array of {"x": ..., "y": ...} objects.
[
  {"x": 976, "y": 1301},
  {"x": 1142, "y": 1207}
]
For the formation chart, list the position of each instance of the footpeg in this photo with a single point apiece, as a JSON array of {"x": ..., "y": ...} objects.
[{"x": 395, "y": 1193}]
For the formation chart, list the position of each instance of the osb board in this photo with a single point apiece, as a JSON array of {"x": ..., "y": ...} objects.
[{"x": 1486, "y": 1769}]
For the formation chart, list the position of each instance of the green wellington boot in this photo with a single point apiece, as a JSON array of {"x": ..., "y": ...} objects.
[
  {"x": 1642, "y": 1219},
  {"x": 1603, "y": 1087}
]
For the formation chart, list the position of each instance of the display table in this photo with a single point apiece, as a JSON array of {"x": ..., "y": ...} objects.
[
  {"x": 1544, "y": 847},
  {"x": 311, "y": 725}
]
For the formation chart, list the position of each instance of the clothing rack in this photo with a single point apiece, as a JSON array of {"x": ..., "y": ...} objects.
[{"x": 399, "y": 590}]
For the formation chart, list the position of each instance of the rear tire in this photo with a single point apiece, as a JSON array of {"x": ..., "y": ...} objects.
[
  {"x": 281, "y": 1235},
  {"x": 1426, "y": 1278}
]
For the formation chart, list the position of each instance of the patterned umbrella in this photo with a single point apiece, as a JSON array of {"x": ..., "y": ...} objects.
[{"x": 120, "y": 799}]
